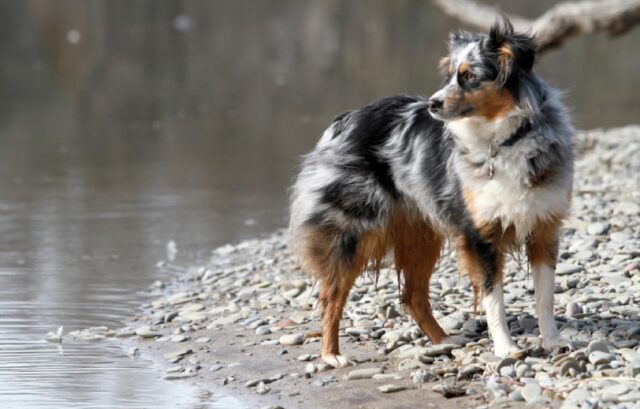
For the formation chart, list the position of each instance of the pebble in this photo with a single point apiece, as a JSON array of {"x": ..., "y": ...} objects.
[
  {"x": 146, "y": 332},
  {"x": 597, "y": 345},
  {"x": 365, "y": 373},
  {"x": 599, "y": 357},
  {"x": 254, "y": 289},
  {"x": 531, "y": 392},
  {"x": 292, "y": 339},
  {"x": 597, "y": 229},
  {"x": 630, "y": 355},
  {"x": 390, "y": 388},
  {"x": 423, "y": 376}
]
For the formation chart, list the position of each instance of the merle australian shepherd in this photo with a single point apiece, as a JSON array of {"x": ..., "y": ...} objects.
[{"x": 486, "y": 162}]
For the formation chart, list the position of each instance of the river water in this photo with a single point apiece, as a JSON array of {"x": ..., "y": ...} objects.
[{"x": 127, "y": 125}]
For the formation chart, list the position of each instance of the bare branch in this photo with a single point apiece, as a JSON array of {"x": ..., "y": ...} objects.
[{"x": 557, "y": 24}]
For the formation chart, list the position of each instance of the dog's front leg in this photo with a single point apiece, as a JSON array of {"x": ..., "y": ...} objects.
[
  {"x": 483, "y": 261},
  {"x": 493, "y": 303},
  {"x": 542, "y": 251}
]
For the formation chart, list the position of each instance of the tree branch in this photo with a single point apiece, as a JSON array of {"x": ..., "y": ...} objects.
[{"x": 557, "y": 24}]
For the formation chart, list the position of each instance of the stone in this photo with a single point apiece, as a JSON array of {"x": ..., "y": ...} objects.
[
  {"x": 262, "y": 388},
  {"x": 597, "y": 345},
  {"x": 440, "y": 349},
  {"x": 630, "y": 355},
  {"x": 531, "y": 392},
  {"x": 292, "y": 339},
  {"x": 516, "y": 396},
  {"x": 599, "y": 357},
  {"x": 423, "y": 376},
  {"x": 310, "y": 368},
  {"x": 146, "y": 332},
  {"x": 391, "y": 388},
  {"x": 568, "y": 365},
  {"x": 566, "y": 268},
  {"x": 596, "y": 229},
  {"x": 364, "y": 373},
  {"x": 578, "y": 395},
  {"x": 263, "y": 330},
  {"x": 177, "y": 355}
]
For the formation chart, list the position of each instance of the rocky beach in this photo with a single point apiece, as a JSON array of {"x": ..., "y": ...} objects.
[{"x": 245, "y": 322}]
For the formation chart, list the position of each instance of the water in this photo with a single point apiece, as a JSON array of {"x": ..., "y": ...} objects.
[{"x": 124, "y": 125}]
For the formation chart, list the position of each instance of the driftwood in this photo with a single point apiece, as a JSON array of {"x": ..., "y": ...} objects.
[{"x": 557, "y": 24}]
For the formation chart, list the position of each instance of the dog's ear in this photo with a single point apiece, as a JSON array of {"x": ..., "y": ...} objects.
[
  {"x": 516, "y": 51},
  {"x": 457, "y": 38}
]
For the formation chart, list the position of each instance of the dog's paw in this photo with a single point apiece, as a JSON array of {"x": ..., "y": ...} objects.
[
  {"x": 509, "y": 350},
  {"x": 555, "y": 344},
  {"x": 336, "y": 361}
]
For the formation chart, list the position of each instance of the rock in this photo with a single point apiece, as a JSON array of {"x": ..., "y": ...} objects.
[
  {"x": 146, "y": 332},
  {"x": 449, "y": 323},
  {"x": 573, "y": 309},
  {"x": 390, "y": 388},
  {"x": 578, "y": 395},
  {"x": 177, "y": 355},
  {"x": 568, "y": 365},
  {"x": 632, "y": 370},
  {"x": 615, "y": 390},
  {"x": 504, "y": 362},
  {"x": 423, "y": 376},
  {"x": 203, "y": 340},
  {"x": 566, "y": 268},
  {"x": 516, "y": 396},
  {"x": 597, "y": 345},
  {"x": 387, "y": 377},
  {"x": 440, "y": 349},
  {"x": 450, "y": 391},
  {"x": 263, "y": 330},
  {"x": 292, "y": 339},
  {"x": 262, "y": 389},
  {"x": 310, "y": 368},
  {"x": 630, "y": 355},
  {"x": 599, "y": 357},
  {"x": 531, "y": 392},
  {"x": 508, "y": 372},
  {"x": 469, "y": 371},
  {"x": 596, "y": 229},
  {"x": 365, "y": 373}
]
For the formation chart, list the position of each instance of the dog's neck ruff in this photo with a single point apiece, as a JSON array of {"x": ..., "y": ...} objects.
[{"x": 494, "y": 148}]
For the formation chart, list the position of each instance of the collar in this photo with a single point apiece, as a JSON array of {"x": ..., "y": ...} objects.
[{"x": 520, "y": 133}]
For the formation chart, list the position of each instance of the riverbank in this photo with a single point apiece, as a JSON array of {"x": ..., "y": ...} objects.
[{"x": 244, "y": 322}]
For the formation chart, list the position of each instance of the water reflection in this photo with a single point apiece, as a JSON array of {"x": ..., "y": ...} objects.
[{"x": 124, "y": 125}]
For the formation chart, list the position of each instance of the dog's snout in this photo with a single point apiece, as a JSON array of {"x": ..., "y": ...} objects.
[{"x": 434, "y": 104}]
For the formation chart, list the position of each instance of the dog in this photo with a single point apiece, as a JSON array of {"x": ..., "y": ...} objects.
[{"x": 485, "y": 163}]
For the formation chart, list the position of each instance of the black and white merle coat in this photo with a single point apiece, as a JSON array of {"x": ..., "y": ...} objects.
[{"x": 454, "y": 164}]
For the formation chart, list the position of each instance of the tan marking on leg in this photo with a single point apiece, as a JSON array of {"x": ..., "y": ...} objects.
[
  {"x": 417, "y": 248},
  {"x": 317, "y": 252}
]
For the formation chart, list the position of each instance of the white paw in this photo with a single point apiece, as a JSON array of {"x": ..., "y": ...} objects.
[
  {"x": 510, "y": 349},
  {"x": 553, "y": 344},
  {"x": 336, "y": 361}
]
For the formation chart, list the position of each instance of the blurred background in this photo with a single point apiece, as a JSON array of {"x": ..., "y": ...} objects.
[{"x": 125, "y": 125}]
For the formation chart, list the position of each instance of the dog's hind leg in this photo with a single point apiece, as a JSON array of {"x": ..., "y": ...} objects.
[
  {"x": 337, "y": 259},
  {"x": 417, "y": 249},
  {"x": 334, "y": 290}
]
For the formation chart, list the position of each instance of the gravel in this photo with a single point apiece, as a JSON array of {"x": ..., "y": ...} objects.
[{"x": 254, "y": 294}]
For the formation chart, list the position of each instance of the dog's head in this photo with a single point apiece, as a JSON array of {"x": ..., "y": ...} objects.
[{"x": 482, "y": 73}]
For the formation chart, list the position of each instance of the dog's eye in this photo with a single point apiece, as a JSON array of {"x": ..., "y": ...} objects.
[{"x": 469, "y": 76}]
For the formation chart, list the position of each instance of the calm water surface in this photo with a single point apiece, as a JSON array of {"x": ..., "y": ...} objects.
[{"x": 124, "y": 125}]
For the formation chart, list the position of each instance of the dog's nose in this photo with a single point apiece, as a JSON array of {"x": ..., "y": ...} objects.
[{"x": 434, "y": 104}]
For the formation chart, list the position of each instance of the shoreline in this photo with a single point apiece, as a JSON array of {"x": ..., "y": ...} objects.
[{"x": 220, "y": 325}]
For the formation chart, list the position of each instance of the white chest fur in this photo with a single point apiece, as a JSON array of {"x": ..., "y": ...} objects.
[{"x": 505, "y": 194}]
